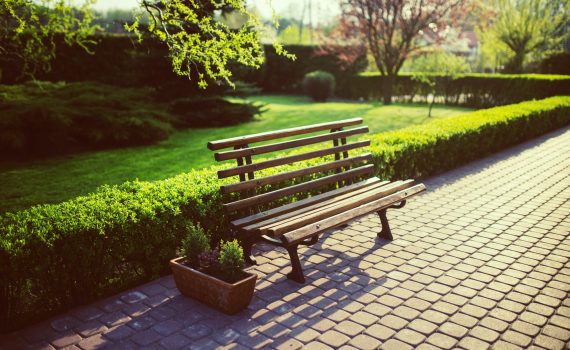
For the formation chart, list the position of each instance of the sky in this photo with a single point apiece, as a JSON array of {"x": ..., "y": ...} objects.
[{"x": 322, "y": 10}]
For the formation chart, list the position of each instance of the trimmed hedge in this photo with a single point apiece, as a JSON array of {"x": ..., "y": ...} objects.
[
  {"x": 473, "y": 90},
  {"x": 53, "y": 257},
  {"x": 443, "y": 144}
]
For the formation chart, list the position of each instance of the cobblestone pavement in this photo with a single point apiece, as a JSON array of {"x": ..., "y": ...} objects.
[{"x": 481, "y": 260}]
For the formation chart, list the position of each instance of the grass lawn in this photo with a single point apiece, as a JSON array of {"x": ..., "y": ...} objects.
[{"x": 58, "y": 179}]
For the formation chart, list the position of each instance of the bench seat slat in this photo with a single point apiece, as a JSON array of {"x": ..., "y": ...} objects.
[
  {"x": 251, "y": 151},
  {"x": 262, "y": 181},
  {"x": 318, "y": 214},
  {"x": 257, "y": 227},
  {"x": 271, "y": 135},
  {"x": 243, "y": 169},
  {"x": 302, "y": 233},
  {"x": 248, "y": 220},
  {"x": 305, "y": 186}
]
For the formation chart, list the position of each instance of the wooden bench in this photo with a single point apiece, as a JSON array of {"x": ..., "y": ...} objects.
[{"x": 347, "y": 190}]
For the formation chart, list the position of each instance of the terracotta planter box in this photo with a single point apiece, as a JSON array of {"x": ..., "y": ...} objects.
[{"x": 226, "y": 297}]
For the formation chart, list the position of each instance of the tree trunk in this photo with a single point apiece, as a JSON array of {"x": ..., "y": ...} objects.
[
  {"x": 515, "y": 65},
  {"x": 431, "y": 105},
  {"x": 387, "y": 88}
]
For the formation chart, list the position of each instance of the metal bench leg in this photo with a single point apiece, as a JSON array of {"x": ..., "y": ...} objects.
[
  {"x": 296, "y": 273},
  {"x": 386, "y": 231},
  {"x": 247, "y": 251}
]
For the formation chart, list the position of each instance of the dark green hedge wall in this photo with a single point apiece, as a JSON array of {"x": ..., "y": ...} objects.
[
  {"x": 53, "y": 257},
  {"x": 473, "y": 90},
  {"x": 120, "y": 60}
]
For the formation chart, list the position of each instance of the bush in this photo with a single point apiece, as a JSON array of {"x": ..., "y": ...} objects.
[
  {"x": 41, "y": 119},
  {"x": 319, "y": 85},
  {"x": 202, "y": 112},
  {"x": 38, "y": 119},
  {"x": 443, "y": 144},
  {"x": 472, "y": 90},
  {"x": 194, "y": 244},
  {"x": 231, "y": 259},
  {"x": 56, "y": 256}
]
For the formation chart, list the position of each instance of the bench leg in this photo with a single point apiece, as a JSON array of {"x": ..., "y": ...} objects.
[
  {"x": 296, "y": 273},
  {"x": 386, "y": 231},
  {"x": 247, "y": 251}
]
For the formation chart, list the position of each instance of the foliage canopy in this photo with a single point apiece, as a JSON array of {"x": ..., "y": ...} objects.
[{"x": 28, "y": 30}]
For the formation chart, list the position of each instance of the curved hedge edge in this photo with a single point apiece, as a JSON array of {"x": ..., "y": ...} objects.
[{"x": 53, "y": 257}]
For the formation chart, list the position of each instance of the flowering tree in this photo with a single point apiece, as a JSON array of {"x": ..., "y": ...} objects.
[{"x": 393, "y": 29}]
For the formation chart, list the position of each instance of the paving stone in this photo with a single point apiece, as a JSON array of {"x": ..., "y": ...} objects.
[
  {"x": 304, "y": 334},
  {"x": 533, "y": 318},
  {"x": 175, "y": 341},
  {"x": 380, "y": 332},
  {"x": 494, "y": 324},
  {"x": 94, "y": 342},
  {"x": 334, "y": 338},
  {"x": 453, "y": 330},
  {"x": 484, "y": 334},
  {"x": 394, "y": 344},
  {"x": 63, "y": 339},
  {"x": 548, "y": 342},
  {"x": 471, "y": 343},
  {"x": 411, "y": 337},
  {"x": 442, "y": 341},
  {"x": 557, "y": 332},
  {"x": 517, "y": 338},
  {"x": 146, "y": 337},
  {"x": 118, "y": 333},
  {"x": 349, "y": 328}
]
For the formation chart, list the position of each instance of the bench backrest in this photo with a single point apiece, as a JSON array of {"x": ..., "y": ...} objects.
[{"x": 346, "y": 168}]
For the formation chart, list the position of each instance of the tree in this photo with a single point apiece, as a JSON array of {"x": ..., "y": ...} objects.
[
  {"x": 437, "y": 68},
  {"x": 534, "y": 28},
  {"x": 199, "y": 42},
  {"x": 29, "y": 30},
  {"x": 393, "y": 29}
]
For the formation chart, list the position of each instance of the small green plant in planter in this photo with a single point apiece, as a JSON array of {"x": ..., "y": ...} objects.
[
  {"x": 231, "y": 259},
  {"x": 194, "y": 244},
  {"x": 213, "y": 276}
]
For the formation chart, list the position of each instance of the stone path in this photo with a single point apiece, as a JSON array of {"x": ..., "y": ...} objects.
[{"x": 481, "y": 260}]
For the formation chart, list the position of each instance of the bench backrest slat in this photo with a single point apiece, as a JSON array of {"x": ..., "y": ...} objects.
[
  {"x": 272, "y": 135},
  {"x": 268, "y": 180},
  {"x": 344, "y": 168},
  {"x": 242, "y": 169},
  {"x": 305, "y": 186},
  {"x": 243, "y": 152}
]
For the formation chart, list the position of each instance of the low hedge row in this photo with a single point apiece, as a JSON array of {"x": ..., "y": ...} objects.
[
  {"x": 473, "y": 90},
  {"x": 55, "y": 256}
]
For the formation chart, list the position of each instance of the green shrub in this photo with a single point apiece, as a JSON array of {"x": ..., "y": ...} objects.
[
  {"x": 203, "y": 112},
  {"x": 472, "y": 90},
  {"x": 319, "y": 85},
  {"x": 427, "y": 149},
  {"x": 195, "y": 243},
  {"x": 231, "y": 259},
  {"x": 53, "y": 257},
  {"x": 38, "y": 119}
]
